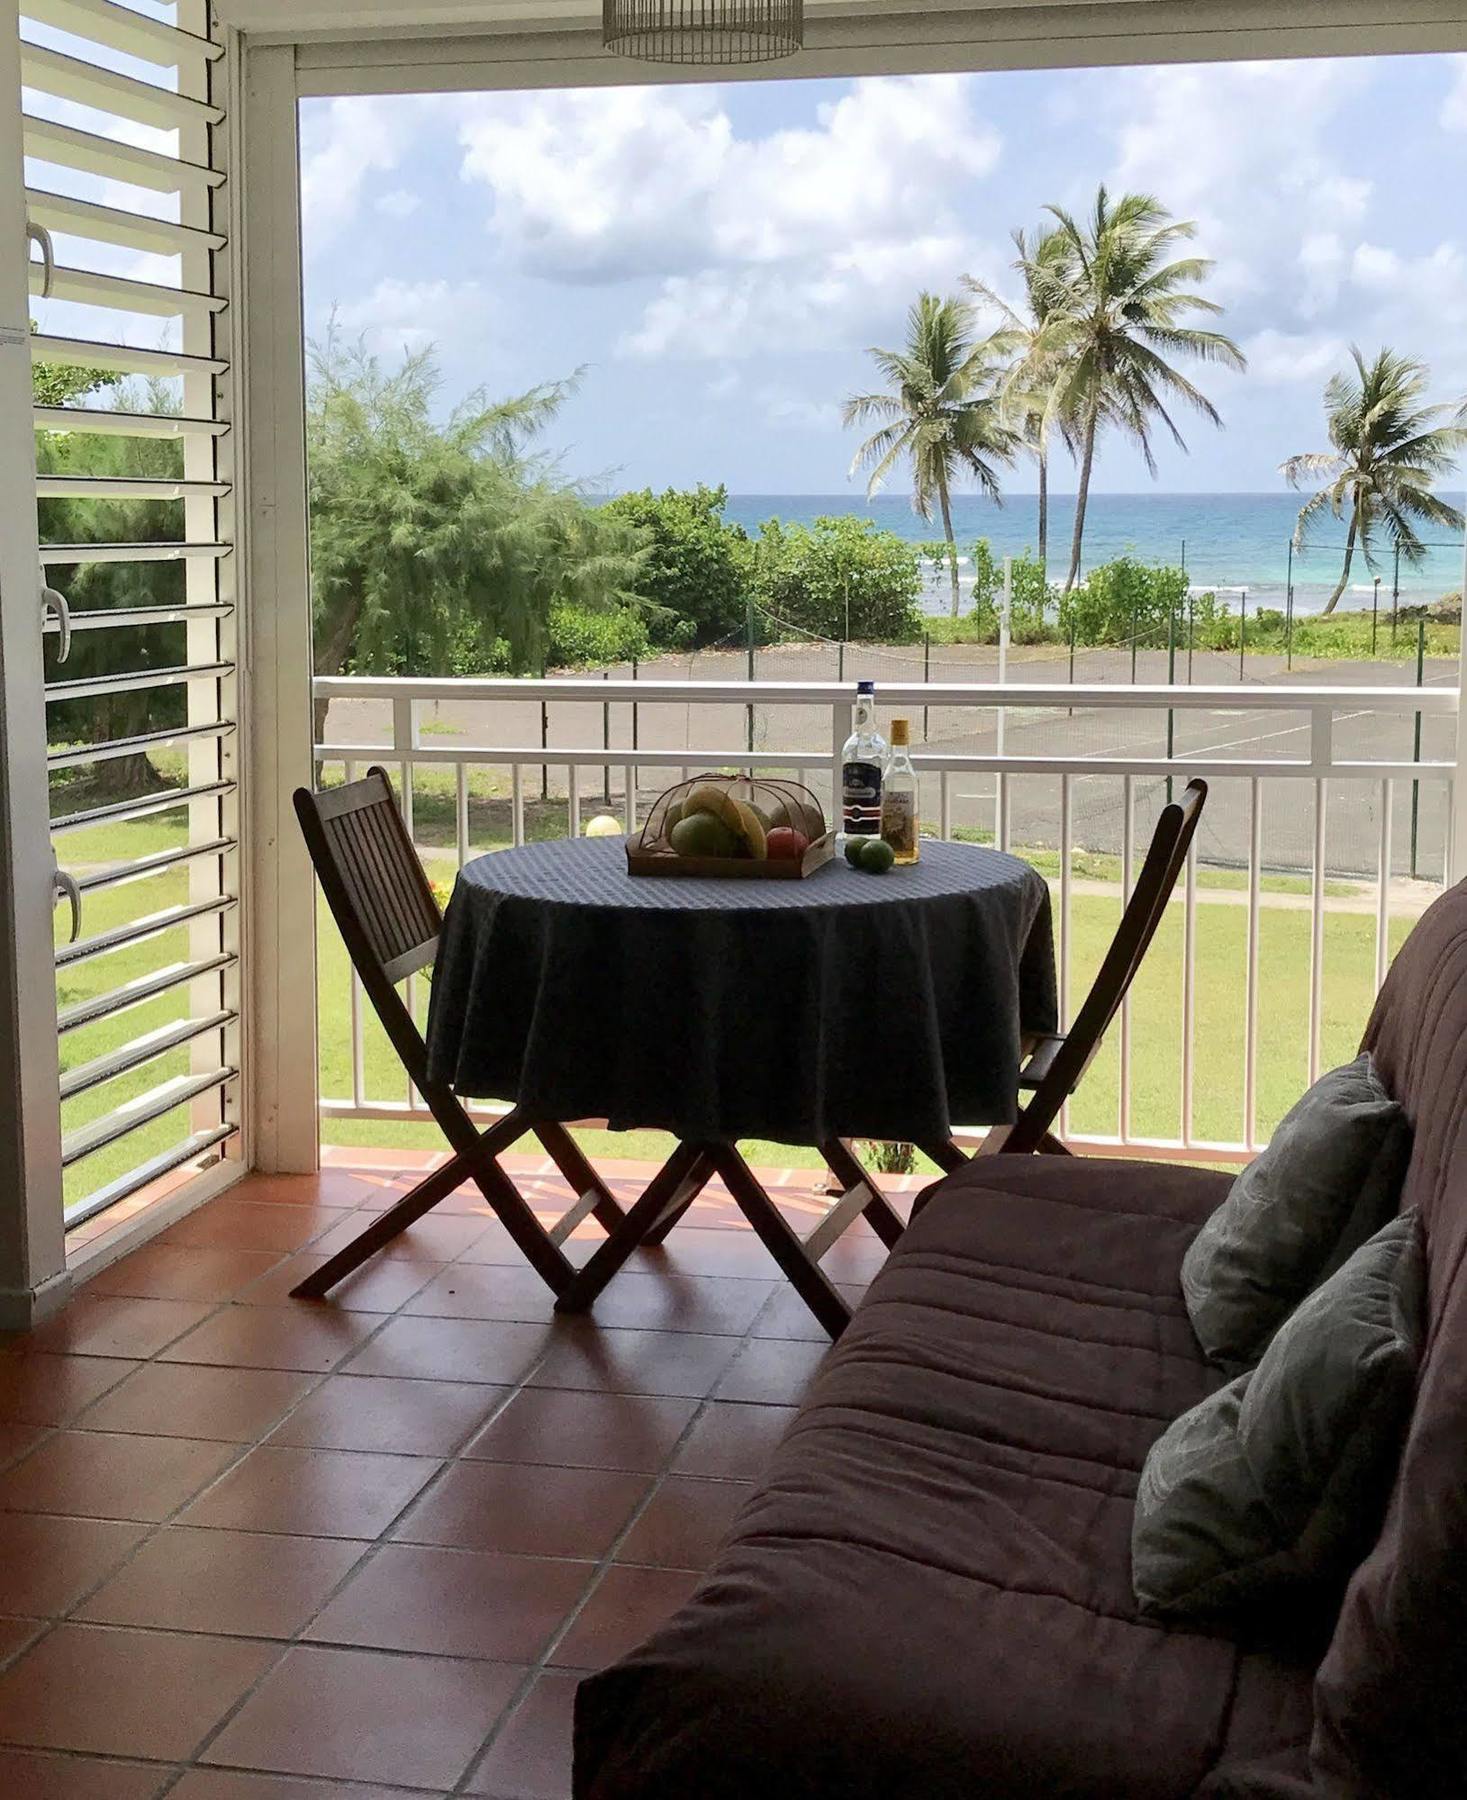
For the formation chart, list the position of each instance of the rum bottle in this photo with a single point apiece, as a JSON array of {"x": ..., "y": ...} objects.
[
  {"x": 863, "y": 764},
  {"x": 899, "y": 796}
]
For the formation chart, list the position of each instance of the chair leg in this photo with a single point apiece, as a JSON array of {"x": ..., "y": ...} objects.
[
  {"x": 571, "y": 1160},
  {"x": 383, "y": 1229},
  {"x": 682, "y": 1175},
  {"x": 998, "y": 1141},
  {"x": 1050, "y": 1145},
  {"x": 948, "y": 1154},
  {"x": 806, "y": 1277},
  {"x": 879, "y": 1213},
  {"x": 418, "y": 1200}
]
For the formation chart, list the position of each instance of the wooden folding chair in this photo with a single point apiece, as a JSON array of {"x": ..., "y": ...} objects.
[
  {"x": 1057, "y": 1061},
  {"x": 390, "y": 922}
]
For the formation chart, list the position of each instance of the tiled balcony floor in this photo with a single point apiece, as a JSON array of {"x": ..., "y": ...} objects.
[{"x": 261, "y": 1549}]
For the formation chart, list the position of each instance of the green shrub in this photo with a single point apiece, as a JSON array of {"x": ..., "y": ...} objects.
[
  {"x": 1125, "y": 599},
  {"x": 1034, "y": 618},
  {"x": 695, "y": 578},
  {"x": 838, "y": 578},
  {"x": 578, "y": 638}
]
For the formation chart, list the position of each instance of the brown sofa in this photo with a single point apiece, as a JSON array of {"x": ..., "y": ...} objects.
[{"x": 930, "y": 1597}]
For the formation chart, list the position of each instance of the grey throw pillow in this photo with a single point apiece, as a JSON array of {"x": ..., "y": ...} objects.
[
  {"x": 1329, "y": 1179},
  {"x": 1278, "y": 1482}
]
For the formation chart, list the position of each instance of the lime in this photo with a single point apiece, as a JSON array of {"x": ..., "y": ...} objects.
[
  {"x": 877, "y": 856},
  {"x": 854, "y": 847}
]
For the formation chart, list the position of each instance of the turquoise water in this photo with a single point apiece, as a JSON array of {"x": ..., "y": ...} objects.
[{"x": 1225, "y": 540}]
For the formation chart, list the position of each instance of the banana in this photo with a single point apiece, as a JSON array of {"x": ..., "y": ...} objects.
[
  {"x": 751, "y": 827},
  {"x": 738, "y": 815}
]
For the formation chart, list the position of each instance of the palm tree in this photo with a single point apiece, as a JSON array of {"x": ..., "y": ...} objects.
[
  {"x": 1388, "y": 449},
  {"x": 943, "y": 412},
  {"x": 1118, "y": 303},
  {"x": 1037, "y": 359}
]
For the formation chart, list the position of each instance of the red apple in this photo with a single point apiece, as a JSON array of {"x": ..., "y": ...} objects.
[{"x": 785, "y": 843}]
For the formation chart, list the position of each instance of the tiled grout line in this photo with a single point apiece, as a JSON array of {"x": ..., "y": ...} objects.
[
  {"x": 605, "y": 1562},
  {"x": 452, "y": 1459}
]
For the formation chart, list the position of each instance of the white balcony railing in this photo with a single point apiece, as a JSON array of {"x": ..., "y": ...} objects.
[{"x": 1296, "y": 893}]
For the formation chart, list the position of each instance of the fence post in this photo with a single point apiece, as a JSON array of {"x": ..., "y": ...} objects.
[
  {"x": 1191, "y": 631},
  {"x": 1133, "y": 643},
  {"x": 636, "y": 723},
  {"x": 840, "y": 660},
  {"x": 1395, "y": 595},
  {"x": 926, "y": 674},
  {"x": 1416, "y": 740},
  {"x": 606, "y": 745},
  {"x": 1374, "y": 615},
  {"x": 1289, "y": 611},
  {"x": 1242, "y": 632}
]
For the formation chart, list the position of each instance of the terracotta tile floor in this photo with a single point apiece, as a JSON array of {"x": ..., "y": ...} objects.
[{"x": 254, "y": 1548}]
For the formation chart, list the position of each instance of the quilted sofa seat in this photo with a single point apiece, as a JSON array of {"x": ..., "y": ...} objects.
[{"x": 930, "y": 1594}]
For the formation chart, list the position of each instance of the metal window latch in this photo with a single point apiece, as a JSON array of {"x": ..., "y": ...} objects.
[
  {"x": 54, "y": 601},
  {"x": 65, "y": 888},
  {"x": 38, "y": 234}
]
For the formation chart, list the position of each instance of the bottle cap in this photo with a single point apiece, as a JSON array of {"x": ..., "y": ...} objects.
[
  {"x": 865, "y": 687},
  {"x": 900, "y": 732}
]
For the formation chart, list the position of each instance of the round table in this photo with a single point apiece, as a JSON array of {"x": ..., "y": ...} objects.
[{"x": 844, "y": 1005}]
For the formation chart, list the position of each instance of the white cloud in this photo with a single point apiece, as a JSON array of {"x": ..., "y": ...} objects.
[
  {"x": 343, "y": 144},
  {"x": 1244, "y": 149},
  {"x": 603, "y": 184},
  {"x": 804, "y": 304},
  {"x": 398, "y": 203},
  {"x": 1287, "y": 356},
  {"x": 756, "y": 241},
  {"x": 794, "y": 412},
  {"x": 401, "y": 316}
]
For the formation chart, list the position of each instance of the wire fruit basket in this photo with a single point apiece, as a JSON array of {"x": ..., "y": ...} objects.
[{"x": 736, "y": 827}]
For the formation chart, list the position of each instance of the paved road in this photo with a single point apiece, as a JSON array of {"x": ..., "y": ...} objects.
[{"x": 1255, "y": 734}]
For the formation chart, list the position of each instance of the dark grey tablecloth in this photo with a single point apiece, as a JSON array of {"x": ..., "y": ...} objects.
[{"x": 845, "y": 1005}]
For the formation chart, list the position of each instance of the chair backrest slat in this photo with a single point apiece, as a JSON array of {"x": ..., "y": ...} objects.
[
  {"x": 378, "y": 893},
  {"x": 1165, "y": 856}
]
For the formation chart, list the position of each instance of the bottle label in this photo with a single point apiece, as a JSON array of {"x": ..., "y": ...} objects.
[
  {"x": 899, "y": 821},
  {"x": 861, "y": 798}
]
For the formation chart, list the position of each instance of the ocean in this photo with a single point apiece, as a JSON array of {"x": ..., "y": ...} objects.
[{"x": 1237, "y": 541}]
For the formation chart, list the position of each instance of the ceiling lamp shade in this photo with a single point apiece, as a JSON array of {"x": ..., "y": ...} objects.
[{"x": 703, "y": 31}]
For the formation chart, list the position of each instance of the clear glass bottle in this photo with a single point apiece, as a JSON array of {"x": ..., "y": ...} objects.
[
  {"x": 899, "y": 796},
  {"x": 863, "y": 764}
]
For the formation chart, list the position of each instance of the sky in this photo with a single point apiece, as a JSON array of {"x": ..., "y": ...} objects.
[{"x": 716, "y": 260}]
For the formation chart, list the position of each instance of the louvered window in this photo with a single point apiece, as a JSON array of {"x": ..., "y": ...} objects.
[{"x": 124, "y": 177}]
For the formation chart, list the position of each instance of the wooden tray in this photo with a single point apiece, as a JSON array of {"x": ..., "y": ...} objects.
[{"x": 647, "y": 861}]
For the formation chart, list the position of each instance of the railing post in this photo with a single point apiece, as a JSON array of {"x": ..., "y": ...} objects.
[
  {"x": 1171, "y": 681},
  {"x": 840, "y": 730},
  {"x": 1321, "y": 740},
  {"x": 606, "y": 745},
  {"x": 544, "y": 741},
  {"x": 1242, "y": 632},
  {"x": 1416, "y": 740}
]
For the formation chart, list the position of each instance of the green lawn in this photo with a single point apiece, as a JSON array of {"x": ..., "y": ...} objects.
[
  {"x": 1349, "y": 961},
  {"x": 1156, "y": 1002}
]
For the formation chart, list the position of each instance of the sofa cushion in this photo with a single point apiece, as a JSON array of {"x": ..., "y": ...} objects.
[
  {"x": 1389, "y": 1695},
  {"x": 1329, "y": 1179},
  {"x": 1270, "y": 1491},
  {"x": 929, "y": 1596}
]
